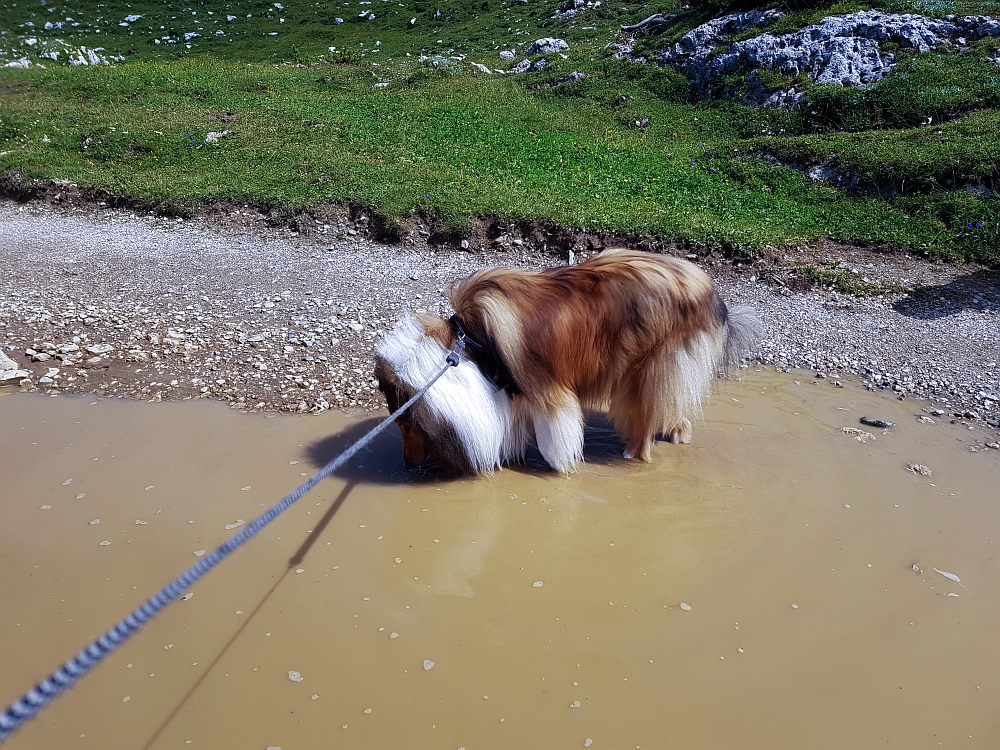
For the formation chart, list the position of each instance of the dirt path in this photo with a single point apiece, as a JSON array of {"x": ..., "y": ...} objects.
[{"x": 111, "y": 302}]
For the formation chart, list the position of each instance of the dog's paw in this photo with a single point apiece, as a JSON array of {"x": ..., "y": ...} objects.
[{"x": 626, "y": 455}]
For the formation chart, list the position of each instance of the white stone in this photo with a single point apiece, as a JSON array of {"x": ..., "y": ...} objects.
[
  {"x": 546, "y": 46},
  {"x": 13, "y": 377}
]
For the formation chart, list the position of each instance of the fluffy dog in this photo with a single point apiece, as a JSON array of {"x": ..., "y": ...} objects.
[{"x": 639, "y": 335}]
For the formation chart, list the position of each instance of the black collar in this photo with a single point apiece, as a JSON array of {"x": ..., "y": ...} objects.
[{"x": 487, "y": 359}]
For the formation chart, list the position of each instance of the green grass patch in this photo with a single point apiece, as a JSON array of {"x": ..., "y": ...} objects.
[
  {"x": 461, "y": 146},
  {"x": 832, "y": 275},
  {"x": 387, "y": 112}
]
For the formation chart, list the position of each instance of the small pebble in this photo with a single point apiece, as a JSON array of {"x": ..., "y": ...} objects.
[
  {"x": 315, "y": 697},
  {"x": 368, "y": 710},
  {"x": 67, "y": 482},
  {"x": 300, "y": 570},
  {"x": 187, "y": 596},
  {"x": 105, "y": 543},
  {"x": 428, "y": 665},
  {"x": 81, "y": 496},
  {"x": 94, "y": 522},
  {"x": 199, "y": 553},
  {"x": 588, "y": 742},
  {"x": 685, "y": 606},
  {"x": 126, "y": 699},
  {"x": 795, "y": 606},
  {"x": 46, "y": 507},
  {"x": 393, "y": 636},
  {"x": 575, "y": 704},
  {"x": 295, "y": 676},
  {"x": 538, "y": 584}
]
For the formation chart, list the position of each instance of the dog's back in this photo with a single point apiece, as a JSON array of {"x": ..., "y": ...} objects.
[{"x": 640, "y": 334}]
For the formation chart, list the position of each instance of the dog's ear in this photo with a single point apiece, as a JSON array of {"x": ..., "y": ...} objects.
[
  {"x": 387, "y": 385},
  {"x": 391, "y": 394}
]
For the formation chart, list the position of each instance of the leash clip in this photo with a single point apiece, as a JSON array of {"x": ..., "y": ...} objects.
[{"x": 456, "y": 354}]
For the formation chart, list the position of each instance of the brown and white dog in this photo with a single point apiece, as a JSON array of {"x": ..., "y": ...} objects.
[{"x": 640, "y": 335}]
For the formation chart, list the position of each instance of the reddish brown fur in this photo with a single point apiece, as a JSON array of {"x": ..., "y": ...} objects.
[
  {"x": 594, "y": 330},
  {"x": 638, "y": 334}
]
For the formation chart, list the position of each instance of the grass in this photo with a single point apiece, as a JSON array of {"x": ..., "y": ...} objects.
[
  {"x": 832, "y": 275},
  {"x": 321, "y": 113}
]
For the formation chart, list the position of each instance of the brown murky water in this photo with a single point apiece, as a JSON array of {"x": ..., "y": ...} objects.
[{"x": 791, "y": 543}]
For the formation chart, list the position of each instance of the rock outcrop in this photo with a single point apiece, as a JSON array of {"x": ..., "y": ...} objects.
[
  {"x": 842, "y": 50},
  {"x": 546, "y": 46}
]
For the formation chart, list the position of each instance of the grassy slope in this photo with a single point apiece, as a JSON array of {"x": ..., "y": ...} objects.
[{"x": 463, "y": 145}]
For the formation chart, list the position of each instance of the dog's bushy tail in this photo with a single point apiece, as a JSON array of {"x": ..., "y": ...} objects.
[{"x": 743, "y": 331}]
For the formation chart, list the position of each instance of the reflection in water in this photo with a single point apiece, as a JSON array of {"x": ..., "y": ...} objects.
[{"x": 792, "y": 544}]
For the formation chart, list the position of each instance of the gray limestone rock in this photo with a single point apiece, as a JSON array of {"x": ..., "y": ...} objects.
[
  {"x": 842, "y": 50},
  {"x": 546, "y": 46},
  {"x": 6, "y": 363}
]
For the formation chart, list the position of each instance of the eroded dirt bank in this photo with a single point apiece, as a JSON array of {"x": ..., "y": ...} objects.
[{"x": 110, "y": 302}]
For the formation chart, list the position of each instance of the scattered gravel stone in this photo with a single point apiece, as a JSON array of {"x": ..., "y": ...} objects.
[
  {"x": 199, "y": 302},
  {"x": 295, "y": 676},
  {"x": 859, "y": 435}
]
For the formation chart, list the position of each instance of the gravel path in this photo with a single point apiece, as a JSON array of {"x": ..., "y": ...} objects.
[{"x": 103, "y": 301}]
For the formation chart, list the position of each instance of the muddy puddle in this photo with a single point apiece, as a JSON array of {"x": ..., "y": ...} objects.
[{"x": 754, "y": 589}]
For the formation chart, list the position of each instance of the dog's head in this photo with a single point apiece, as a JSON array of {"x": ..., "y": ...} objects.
[{"x": 460, "y": 425}]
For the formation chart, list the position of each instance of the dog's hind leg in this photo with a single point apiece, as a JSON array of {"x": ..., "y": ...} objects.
[
  {"x": 638, "y": 406},
  {"x": 679, "y": 433},
  {"x": 559, "y": 433}
]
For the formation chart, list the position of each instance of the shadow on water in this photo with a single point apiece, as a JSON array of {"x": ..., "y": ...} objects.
[
  {"x": 382, "y": 461},
  {"x": 373, "y": 465},
  {"x": 601, "y": 445},
  {"x": 979, "y": 291}
]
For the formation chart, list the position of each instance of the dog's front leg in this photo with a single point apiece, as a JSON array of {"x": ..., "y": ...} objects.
[{"x": 559, "y": 433}]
